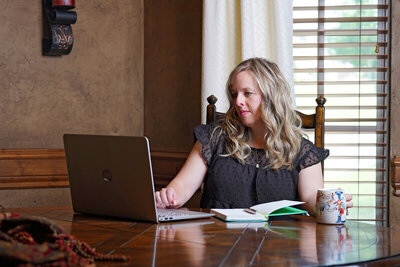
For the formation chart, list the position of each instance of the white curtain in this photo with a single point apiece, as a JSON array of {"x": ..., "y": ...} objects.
[{"x": 235, "y": 30}]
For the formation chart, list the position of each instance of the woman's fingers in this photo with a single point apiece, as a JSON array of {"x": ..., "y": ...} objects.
[
  {"x": 163, "y": 195},
  {"x": 159, "y": 202},
  {"x": 349, "y": 203},
  {"x": 171, "y": 196},
  {"x": 166, "y": 198}
]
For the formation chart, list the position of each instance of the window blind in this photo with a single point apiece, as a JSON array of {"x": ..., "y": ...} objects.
[{"x": 340, "y": 50}]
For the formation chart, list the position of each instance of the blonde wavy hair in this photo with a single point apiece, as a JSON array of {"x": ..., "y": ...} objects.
[{"x": 283, "y": 135}]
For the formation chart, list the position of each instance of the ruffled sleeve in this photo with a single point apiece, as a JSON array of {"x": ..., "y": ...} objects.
[
  {"x": 310, "y": 154},
  {"x": 209, "y": 140}
]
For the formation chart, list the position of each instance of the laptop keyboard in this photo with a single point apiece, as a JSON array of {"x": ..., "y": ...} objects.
[{"x": 179, "y": 214}]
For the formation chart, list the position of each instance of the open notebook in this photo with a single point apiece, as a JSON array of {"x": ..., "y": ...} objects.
[{"x": 260, "y": 212}]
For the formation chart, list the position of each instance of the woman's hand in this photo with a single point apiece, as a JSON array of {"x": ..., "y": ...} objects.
[
  {"x": 349, "y": 203},
  {"x": 167, "y": 198}
]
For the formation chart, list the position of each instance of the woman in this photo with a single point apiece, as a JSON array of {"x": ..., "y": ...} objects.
[{"x": 256, "y": 154}]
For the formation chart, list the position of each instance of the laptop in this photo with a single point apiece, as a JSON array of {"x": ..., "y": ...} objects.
[{"x": 112, "y": 176}]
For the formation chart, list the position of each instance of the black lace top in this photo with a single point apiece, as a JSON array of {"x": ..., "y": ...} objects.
[{"x": 231, "y": 184}]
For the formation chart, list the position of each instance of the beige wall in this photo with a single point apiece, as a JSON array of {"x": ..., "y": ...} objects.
[
  {"x": 98, "y": 88},
  {"x": 394, "y": 210},
  {"x": 135, "y": 68}
]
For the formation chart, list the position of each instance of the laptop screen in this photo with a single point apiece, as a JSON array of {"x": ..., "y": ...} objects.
[{"x": 111, "y": 175}]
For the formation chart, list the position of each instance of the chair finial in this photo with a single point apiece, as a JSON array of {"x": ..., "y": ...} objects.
[
  {"x": 212, "y": 99},
  {"x": 320, "y": 100}
]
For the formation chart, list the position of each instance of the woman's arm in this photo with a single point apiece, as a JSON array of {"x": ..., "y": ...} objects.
[
  {"x": 186, "y": 182},
  {"x": 310, "y": 180}
]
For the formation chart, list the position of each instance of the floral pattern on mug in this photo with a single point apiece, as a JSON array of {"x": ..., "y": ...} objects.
[{"x": 331, "y": 203}]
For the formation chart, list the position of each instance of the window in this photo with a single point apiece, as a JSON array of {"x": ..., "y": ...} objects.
[{"x": 340, "y": 50}]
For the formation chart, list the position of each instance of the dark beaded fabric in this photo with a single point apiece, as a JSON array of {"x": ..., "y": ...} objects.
[{"x": 231, "y": 184}]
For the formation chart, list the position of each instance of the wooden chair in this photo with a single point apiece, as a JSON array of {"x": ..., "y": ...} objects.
[{"x": 314, "y": 121}]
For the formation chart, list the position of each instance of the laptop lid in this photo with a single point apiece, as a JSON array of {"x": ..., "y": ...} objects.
[{"x": 111, "y": 175}]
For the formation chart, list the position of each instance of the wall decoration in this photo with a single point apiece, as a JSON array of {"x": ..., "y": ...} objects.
[{"x": 57, "y": 32}]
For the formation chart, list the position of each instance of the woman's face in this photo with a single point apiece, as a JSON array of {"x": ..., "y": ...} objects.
[{"x": 247, "y": 99}]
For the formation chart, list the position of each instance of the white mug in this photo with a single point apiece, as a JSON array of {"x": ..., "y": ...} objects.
[{"x": 331, "y": 206}]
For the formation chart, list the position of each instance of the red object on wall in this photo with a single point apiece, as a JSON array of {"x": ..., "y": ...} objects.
[{"x": 65, "y": 4}]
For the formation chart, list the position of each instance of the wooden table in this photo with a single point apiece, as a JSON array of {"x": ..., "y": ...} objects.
[{"x": 287, "y": 241}]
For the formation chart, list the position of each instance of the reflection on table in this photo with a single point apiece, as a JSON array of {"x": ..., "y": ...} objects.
[{"x": 295, "y": 240}]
